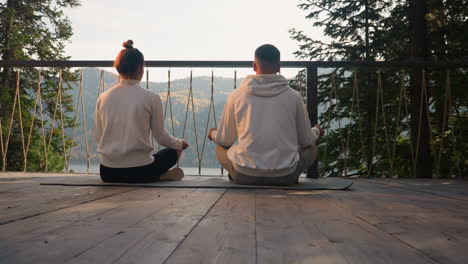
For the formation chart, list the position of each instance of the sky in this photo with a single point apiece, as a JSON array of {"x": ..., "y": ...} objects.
[{"x": 185, "y": 29}]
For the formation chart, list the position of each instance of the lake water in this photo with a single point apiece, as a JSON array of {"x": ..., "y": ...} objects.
[{"x": 94, "y": 168}]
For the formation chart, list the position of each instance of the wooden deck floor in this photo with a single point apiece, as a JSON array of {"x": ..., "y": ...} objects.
[{"x": 378, "y": 221}]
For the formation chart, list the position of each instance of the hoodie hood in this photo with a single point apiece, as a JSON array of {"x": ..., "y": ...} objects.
[{"x": 264, "y": 85}]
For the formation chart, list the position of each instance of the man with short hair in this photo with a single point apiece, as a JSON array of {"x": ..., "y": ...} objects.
[{"x": 264, "y": 136}]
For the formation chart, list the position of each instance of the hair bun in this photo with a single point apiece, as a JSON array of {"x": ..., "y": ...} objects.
[{"x": 128, "y": 44}]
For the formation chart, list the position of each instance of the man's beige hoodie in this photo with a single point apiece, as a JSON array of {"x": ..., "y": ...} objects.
[{"x": 264, "y": 123}]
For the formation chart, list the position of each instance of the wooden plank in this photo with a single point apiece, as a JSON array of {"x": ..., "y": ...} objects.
[
  {"x": 456, "y": 189},
  {"x": 10, "y": 181},
  {"x": 435, "y": 225},
  {"x": 20, "y": 184},
  {"x": 356, "y": 240},
  {"x": 35, "y": 199},
  {"x": 77, "y": 238},
  {"x": 154, "y": 238},
  {"x": 46, "y": 234},
  {"x": 13, "y": 234},
  {"x": 284, "y": 237},
  {"x": 7, "y": 184},
  {"x": 21, "y": 192},
  {"x": 423, "y": 205},
  {"x": 225, "y": 235}
]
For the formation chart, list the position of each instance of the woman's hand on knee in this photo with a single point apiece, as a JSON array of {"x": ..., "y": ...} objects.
[{"x": 184, "y": 144}]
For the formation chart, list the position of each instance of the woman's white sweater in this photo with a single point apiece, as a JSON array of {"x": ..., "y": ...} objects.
[{"x": 126, "y": 117}]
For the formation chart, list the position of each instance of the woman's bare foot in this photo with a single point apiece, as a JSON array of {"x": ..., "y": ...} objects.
[{"x": 175, "y": 174}]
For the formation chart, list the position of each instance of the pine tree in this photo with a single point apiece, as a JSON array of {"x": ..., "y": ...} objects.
[
  {"x": 34, "y": 30},
  {"x": 393, "y": 31}
]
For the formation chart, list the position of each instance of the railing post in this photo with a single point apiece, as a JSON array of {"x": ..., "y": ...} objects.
[{"x": 312, "y": 108}]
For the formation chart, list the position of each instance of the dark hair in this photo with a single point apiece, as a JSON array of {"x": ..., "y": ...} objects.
[
  {"x": 268, "y": 53},
  {"x": 128, "y": 60}
]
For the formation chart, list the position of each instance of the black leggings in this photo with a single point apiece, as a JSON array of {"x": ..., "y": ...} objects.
[{"x": 163, "y": 161}]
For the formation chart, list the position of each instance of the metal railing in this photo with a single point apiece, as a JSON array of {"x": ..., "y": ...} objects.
[{"x": 312, "y": 85}]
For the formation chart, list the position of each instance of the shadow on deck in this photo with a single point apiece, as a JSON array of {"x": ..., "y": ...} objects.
[{"x": 377, "y": 221}]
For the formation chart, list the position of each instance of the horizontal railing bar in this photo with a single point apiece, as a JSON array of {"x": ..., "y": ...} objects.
[{"x": 241, "y": 64}]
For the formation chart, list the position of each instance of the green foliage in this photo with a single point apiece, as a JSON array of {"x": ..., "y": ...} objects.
[
  {"x": 379, "y": 30},
  {"x": 345, "y": 23},
  {"x": 34, "y": 30}
]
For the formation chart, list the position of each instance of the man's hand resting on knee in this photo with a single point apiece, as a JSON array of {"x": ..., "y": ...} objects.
[
  {"x": 210, "y": 137},
  {"x": 322, "y": 131}
]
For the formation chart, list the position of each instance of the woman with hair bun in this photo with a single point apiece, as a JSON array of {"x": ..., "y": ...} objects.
[{"x": 126, "y": 117}]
